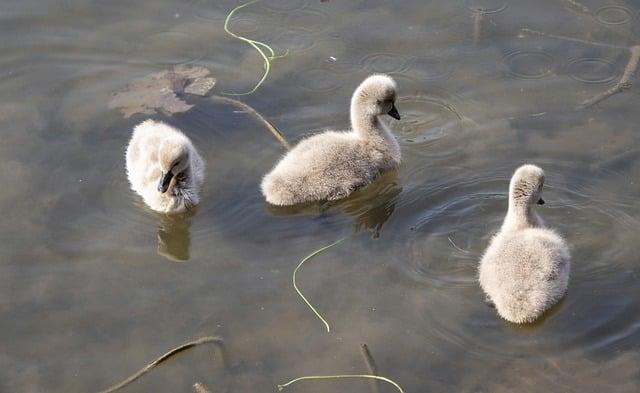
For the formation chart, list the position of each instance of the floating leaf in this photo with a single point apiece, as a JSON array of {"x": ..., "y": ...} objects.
[{"x": 158, "y": 92}]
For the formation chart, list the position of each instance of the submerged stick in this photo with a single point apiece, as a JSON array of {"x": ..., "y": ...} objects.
[
  {"x": 316, "y": 377},
  {"x": 371, "y": 365},
  {"x": 246, "y": 108},
  {"x": 477, "y": 16},
  {"x": 623, "y": 84},
  {"x": 571, "y": 39},
  {"x": 295, "y": 285},
  {"x": 150, "y": 366},
  {"x": 257, "y": 45},
  {"x": 199, "y": 387}
]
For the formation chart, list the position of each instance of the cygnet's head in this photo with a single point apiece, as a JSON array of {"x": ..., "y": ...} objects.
[
  {"x": 173, "y": 156},
  {"x": 376, "y": 96},
  {"x": 526, "y": 185}
]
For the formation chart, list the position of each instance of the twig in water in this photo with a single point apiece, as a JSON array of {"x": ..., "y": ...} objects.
[
  {"x": 295, "y": 285},
  {"x": 150, "y": 366},
  {"x": 455, "y": 246},
  {"x": 571, "y": 39},
  {"x": 246, "y": 108},
  {"x": 257, "y": 45},
  {"x": 200, "y": 388},
  {"x": 316, "y": 377},
  {"x": 477, "y": 16},
  {"x": 580, "y": 7},
  {"x": 623, "y": 84},
  {"x": 371, "y": 365}
]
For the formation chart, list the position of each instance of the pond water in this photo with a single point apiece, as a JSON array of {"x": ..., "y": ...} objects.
[{"x": 93, "y": 285}]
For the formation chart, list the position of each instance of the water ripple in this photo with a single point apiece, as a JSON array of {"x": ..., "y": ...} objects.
[
  {"x": 456, "y": 212},
  {"x": 426, "y": 119},
  {"x": 318, "y": 80},
  {"x": 385, "y": 62},
  {"x": 285, "y": 5},
  {"x": 308, "y": 19},
  {"x": 487, "y": 6},
  {"x": 170, "y": 48},
  {"x": 613, "y": 15},
  {"x": 529, "y": 63},
  {"x": 430, "y": 68},
  {"x": 592, "y": 70}
]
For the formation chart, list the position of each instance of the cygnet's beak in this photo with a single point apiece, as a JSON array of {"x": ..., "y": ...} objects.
[
  {"x": 165, "y": 180},
  {"x": 394, "y": 112},
  {"x": 540, "y": 201}
]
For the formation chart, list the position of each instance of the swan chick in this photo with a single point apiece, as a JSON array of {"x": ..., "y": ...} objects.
[
  {"x": 164, "y": 167},
  {"x": 333, "y": 164},
  {"x": 525, "y": 269}
]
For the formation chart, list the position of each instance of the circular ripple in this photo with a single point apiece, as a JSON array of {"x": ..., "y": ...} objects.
[
  {"x": 171, "y": 47},
  {"x": 295, "y": 40},
  {"x": 318, "y": 80},
  {"x": 385, "y": 62},
  {"x": 286, "y": 5},
  {"x": 311, "y": 19},
  {"x": 487, "y": 6},
  {"x": 210, "y": 10},
  {"x": 613, "y": 15},
  {"x": 243, "y": 25},
  {"x": 592, "y": 70},
  {"x": 425, "y": 119},
  {"x": 529, "y": 63},
  {"x": 430, "y": 68},
  {"x": 456, "y": 214}
]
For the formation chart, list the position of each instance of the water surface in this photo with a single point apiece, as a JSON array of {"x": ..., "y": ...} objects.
[{"x": 93, "y": 285}]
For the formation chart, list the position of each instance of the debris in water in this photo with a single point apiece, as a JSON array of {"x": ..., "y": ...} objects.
[
  {"x": 623, "y": 84},
  {"x": 158, "y": 92}
]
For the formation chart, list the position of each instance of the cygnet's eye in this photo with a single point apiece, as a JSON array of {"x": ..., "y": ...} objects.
[{"x": 378, "y": 102}]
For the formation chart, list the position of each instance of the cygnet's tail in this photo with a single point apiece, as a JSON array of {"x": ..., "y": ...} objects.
[{"x": 276, "y": 191}]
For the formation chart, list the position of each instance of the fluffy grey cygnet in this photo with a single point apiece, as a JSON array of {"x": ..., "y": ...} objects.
[
  {"x": 333, "y": 164},
  {"x": 525, "y": 269},
  {"x": 164, "y": 167}
]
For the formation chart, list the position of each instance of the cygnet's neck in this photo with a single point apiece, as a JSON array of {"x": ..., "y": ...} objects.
[
  {"x": 371, "y": 129},
  {"x": 521, "y": 216}
]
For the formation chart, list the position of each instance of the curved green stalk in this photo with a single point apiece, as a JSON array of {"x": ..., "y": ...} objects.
[
  {"x": 315, "y": 377},
  {"x": 295, "y": 285},
  {"x": 257, "y": 46}
]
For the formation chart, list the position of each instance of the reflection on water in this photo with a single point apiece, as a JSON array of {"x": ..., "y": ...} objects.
[
  {"x": 369, "y": 207},
  {"x": 174, "y": 237},
  {"x": 86, "y": 294}
]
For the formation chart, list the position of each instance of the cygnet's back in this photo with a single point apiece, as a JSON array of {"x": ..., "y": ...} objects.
[
  {"x": 333, "y": 164},
  {"x": 525, "y": 269},
  {"x": 163, "y": 167}
]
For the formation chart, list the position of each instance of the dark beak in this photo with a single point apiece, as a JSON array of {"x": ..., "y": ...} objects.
[
  {"x": 541, "y": 201},
  {"x": 163, "y": 186},
  {"x": 394, "y": 112}
]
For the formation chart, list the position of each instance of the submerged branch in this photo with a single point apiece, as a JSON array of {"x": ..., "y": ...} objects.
[
  {"x": 246, "y": 108},
  {"x": 571, "y": 39},
  {"x": 477, "y": 18},
  {"x": 166, "y": 356},
  {"x": 371, "y": 366},
  {"x": 623, "y": 84}
]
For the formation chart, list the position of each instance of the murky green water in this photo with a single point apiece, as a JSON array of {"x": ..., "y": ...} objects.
[{"x": 88, "y": 290}]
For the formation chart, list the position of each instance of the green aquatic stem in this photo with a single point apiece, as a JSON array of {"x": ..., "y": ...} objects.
[
  {"x": 316, "y": 377},
  {"x": 295, "y": 285},
  {"x": 257, "y": 45}
]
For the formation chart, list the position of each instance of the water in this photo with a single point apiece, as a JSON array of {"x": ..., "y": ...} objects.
[{"x": 93, "y": 285}]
